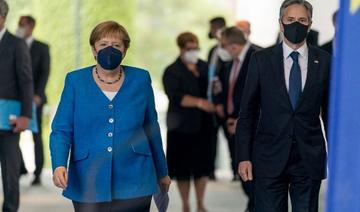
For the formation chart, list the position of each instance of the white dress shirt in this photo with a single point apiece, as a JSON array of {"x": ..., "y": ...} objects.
[
  {"x": 29, "y": 41},
  {"x": 236, "y": 70},
  {"x": 2, "y": 32},
  {"x": 303, "y": 62}
]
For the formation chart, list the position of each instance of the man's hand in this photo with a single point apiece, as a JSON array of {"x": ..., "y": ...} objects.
[
  {"x": 37, "y": 100},
  {"x": 220, "y": 110},
  {"x": 20, "y": 124},
  {"x": 205, "y": 105},
  {"x": 245, "y": 170},
  {"x": 231, "y": 125},
  {"x": 164, "y": 183},
  {"x": 217, "y": 86},
  {"x": 60, "y": 177}
]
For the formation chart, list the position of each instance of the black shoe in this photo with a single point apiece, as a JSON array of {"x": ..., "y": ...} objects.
[
  {"x": 212, "y": 177},
  {"x": 236, "y": 178},
  {"x": 36, "y": 181},
  {"x": 23, "y": 171}
]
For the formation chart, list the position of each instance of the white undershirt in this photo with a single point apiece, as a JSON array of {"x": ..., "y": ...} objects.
[
  {"x": 110, "y": 94},
  {"x": 2, "y": 32}
]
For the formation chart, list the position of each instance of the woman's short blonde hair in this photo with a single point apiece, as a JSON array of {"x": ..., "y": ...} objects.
[{"x": 109, "y": 29}]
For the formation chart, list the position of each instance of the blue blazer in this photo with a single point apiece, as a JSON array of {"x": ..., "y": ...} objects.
[{"x": 116, "y": 147}]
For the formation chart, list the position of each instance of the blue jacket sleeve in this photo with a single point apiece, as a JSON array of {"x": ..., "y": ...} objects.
[
  {"x": 61, "y": 136},
  {"x": 152, "y": 131}
]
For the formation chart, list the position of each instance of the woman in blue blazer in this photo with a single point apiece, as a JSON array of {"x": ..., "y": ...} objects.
[{"x": 106, "y": 121}]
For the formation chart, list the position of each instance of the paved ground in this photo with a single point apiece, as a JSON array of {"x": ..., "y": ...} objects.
[{"x": 221, "y": 196}]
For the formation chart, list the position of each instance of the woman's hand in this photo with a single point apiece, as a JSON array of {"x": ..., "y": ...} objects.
[
  {"x": 60, "y": 177},
  {"x": 164, "y": 183}
]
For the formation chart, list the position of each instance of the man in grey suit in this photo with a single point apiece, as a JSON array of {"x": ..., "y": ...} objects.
[{"x": 15, "y": 84}]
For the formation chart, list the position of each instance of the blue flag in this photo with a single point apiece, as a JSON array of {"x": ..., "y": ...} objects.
[{"x": 344, "y": 117}]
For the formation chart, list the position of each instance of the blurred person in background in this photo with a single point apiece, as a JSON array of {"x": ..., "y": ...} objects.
[
  {"x": 215, "y": 66},
  {"x": 189, "y": 119},
  {"x": 234, "y": 41},
  {"x": 40, "y": 61},
  {"x": 329, "y": 46},
  {"x": 245, "y": 26},
  {"x": 107, "y": 118},
  {"x": 16, "y": 85}
]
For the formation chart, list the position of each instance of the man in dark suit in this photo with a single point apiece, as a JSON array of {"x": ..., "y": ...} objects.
[
  {"x": 234, "y": 42},
  {"x": 214, "y": 88},
  {"x": 328, "y": 46},
  {"x": 245, "y": 26},
  {"x": 289, "y": 82},
  {"x": 15, "y": 84},
  {"x": 40, "y": 59}
]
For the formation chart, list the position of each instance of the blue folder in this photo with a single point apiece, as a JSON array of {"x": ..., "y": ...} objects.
[
  {"x": 161, "y": 200},
  {"x": 10, "y": 109}
]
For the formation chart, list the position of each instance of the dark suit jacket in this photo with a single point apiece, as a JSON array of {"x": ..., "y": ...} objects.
[
  {"x": 328, "y": 47},
  {"x": 279, "y": 125},
  {"x": 179, "y": 81},
  {"x": 40, "y": 59},
  {"x": 239, "y": 85},
  {"x": 16, "y": 80}
]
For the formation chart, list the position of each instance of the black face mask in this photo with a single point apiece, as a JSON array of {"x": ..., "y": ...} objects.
[
  {"x": 211, "y": 36},
  {"x": 295, "y": 32}
]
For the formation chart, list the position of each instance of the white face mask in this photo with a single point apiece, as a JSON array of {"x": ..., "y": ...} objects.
[
  {"x": 191, "y": 56},
  {"x": 224, "y": 55},
  {"x": 20, "y": 32}
]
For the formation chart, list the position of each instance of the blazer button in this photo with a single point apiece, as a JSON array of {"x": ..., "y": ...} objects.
[
  {"x": 109, "y": 149},
  {"x": 110, "y": 134},
  {"x": 111, "y": 120},
  {"x": 111, "y": 106}
]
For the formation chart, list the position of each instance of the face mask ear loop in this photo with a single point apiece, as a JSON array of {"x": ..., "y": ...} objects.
[{"x": 96, "y": 53}]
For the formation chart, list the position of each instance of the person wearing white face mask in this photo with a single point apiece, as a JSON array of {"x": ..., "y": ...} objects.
[
  {"x": 215, "y": 74},
  {"x": 188, "y": 120}
]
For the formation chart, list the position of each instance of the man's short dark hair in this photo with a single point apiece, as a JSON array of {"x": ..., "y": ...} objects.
[
  {"x": 29, "y": 19},
  {"x": 288, "y": 3},
  {"x": 334, "y": 17},
  {"x": 234, "y": 35},
  {"x": 218, "y": 22},
  {"x": 4, "y": 8}
]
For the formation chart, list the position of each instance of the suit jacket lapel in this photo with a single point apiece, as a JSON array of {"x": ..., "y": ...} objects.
[
  {"x": 277, "y": 61},
  {"x": 313, "y": 65},
  {"x": 3, "y": 42}
]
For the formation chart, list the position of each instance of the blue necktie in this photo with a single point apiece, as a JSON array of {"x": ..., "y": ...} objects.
[{"x": 295, "y": 86}]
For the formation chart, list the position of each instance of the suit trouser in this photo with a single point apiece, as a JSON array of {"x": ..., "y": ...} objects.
[
  {"x": 271, "y": 194},
  {"x": 10, "y": 157},
  {"x": 249, "y": 191},
  {"x": 38, "y": 146},
  {"x": 231, "y": 144}
]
